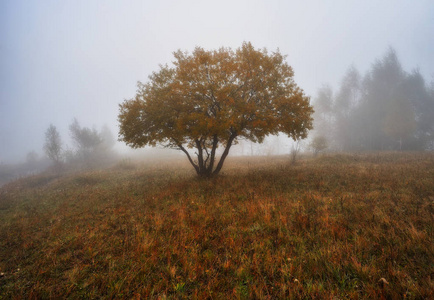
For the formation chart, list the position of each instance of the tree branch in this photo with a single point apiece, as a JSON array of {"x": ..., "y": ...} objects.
[
  {"x": 207, "y": 156},
  {"x": 225, "y": 153},
  {"x": 179, "y": 145},
  {"x": 213, "y": 150},
  {"x": 199, "y": 154}
]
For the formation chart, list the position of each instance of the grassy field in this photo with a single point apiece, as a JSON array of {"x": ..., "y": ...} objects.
[{"x": 336, "y": 226}]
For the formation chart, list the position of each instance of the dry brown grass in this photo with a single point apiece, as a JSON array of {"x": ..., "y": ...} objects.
[{"x": 334, "y": 226}]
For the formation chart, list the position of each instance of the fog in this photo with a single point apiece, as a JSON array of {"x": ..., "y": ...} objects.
[{"x": 61, "y": 60}]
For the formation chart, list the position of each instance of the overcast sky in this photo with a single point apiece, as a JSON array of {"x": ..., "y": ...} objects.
[{"x": 66, "y": 59}]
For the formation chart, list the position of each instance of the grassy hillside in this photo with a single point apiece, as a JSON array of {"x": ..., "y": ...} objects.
[{"x": 329, "y": 226}]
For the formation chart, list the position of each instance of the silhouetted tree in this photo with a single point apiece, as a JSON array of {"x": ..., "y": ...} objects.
[
  {"x": 31, "y": 159},
  {"x": 85, "y": 139},
  {"x": 380, "y": 86},
  {"x": 318, "y": 144},
  {"x": 87, "y": 142},
  {"x": 388, "y": 109},
  {"x": 107, "y": 138},
  {"x": 324, "y": 116},
  {"x": 421, "y": 100},
  {"x": 347, "y": 98},
  {"x": 53, "y": 144},
  {"x": 93, "y": 148},
  {"x": 399, "y": 121},
  {"x": 295, "y": 150}
]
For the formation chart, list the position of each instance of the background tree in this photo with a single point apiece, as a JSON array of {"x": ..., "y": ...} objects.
[
  {"x": 92, "y": 148},
  {"x": 346, "y": 100},
  {"x": 107, "y": 139},
  {"x": 399, "y": 122},
  {"x": 31, "y": 161},
  {"x": 389, "y": 109},
  {"x": 53, "y": 144},
  {"x": 380, "y": 87},
  {"x": 212, "y": 98},
  {"x": 421, "y": 101},
  {"x": 324, "y": 116},
  {"x": 318, "y": 144},
  {"x": 295, "y": 150},
  {"x": 85, "y": 139}
]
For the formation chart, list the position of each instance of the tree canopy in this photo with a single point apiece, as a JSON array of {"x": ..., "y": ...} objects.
[{"x": 213, "y": 98}]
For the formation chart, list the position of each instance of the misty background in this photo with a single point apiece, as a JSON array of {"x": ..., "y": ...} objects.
[{"x": 61, "y": 60}]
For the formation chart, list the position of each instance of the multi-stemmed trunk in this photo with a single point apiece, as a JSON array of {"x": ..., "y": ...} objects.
[{"x": 206, "y": 158}]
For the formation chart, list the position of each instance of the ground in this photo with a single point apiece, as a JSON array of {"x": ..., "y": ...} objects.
[{"x": 338, "y": 225}]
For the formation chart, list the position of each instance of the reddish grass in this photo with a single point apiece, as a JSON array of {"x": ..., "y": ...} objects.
[{"x": 324, "y": 228}]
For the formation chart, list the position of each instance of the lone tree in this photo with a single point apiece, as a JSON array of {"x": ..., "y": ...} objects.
[
  {"x": 213, "y": 98},
  {"x": 53, "y": 144}
]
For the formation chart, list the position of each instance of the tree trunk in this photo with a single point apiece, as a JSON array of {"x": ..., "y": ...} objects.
[
  {"x": 200, "y": 161},
  {"x": 225, "y": 154},
  {"x": 204, "y": 167},
  {"x": 213, "y": 150}
]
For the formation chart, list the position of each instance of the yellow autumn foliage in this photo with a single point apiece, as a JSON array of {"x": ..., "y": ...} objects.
[{"x": 212, "y": 98}]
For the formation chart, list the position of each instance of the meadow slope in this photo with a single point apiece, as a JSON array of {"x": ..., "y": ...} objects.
[{"x": 327, "y": 227}]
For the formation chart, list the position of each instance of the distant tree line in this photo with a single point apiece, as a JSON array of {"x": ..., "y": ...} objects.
[
  {"x": 91, "y": 147},
  {"x": 386, "y": 109}
]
